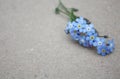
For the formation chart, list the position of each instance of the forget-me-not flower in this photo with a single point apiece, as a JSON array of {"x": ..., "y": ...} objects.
[
  {"x": 91, "y": 37},
  {"x": 110, "y": 45},
  {"x": 102, "y": 50},
  {"x": 99, "y": 41}
]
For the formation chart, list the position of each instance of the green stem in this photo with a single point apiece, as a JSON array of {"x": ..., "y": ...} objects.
[
  {"x": 65, "y": 13},
  {"x": 61, "y": 8},
  {"x": 105, "y": 36}
]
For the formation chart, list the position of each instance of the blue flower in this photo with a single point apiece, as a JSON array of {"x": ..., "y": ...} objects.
[
  {"x": 75, "y": 24},
  {"x": 91, "y": 37},
  {"x": 102, "y": 50},
  {"x": 74, "y": 32},
  {"x": 68, "y": 27},
  {"x": 81, "y": 24},
  {"x": 106, "y": 48},
  {"x": 83, "y": 28},
  {"x": 90, "y": 28},
  {"x": 83, "y": 41},
  {"x": 110, "y": 45},
  {"x": 81, "y": 20},
  {"x": 99, "y": 41}
]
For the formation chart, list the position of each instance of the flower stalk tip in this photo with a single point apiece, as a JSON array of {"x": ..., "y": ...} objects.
[{"x": 67, "y": 11}]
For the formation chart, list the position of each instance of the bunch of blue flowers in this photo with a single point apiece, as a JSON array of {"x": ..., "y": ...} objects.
[
  {"x": 83, "y": 31},
  {"x": 87, "y": 36}
]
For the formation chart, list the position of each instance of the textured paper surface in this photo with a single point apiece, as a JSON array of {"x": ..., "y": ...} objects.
[{"x": 33, "y": 44}]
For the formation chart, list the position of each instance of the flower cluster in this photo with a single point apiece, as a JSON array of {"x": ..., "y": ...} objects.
[{"x": 85, "y": 33}]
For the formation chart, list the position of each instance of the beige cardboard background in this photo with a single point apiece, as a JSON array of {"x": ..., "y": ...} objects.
[{"x": 33, "y": 44}]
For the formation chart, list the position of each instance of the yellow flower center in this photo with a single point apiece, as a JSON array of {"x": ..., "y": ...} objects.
[
  {"x": 103, "y": 50},
  {"x": 99, "y": 43},
  {"x": 88, "y": 29},
  {"x": 79, "y": 26},
  {"x": 75, "y": 31},
  {"x": 91, "y": 37}
]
